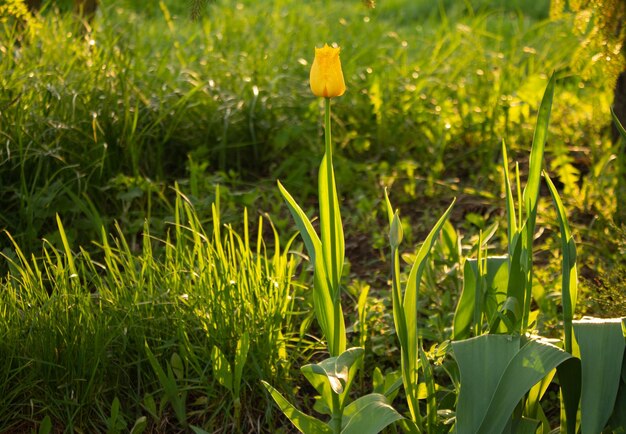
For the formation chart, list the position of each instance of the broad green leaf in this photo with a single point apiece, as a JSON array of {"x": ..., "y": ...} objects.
[
  {"x": 303, "y": 422},
  {"x": 334, "y": 374},
  {"x": 569, "y": 373},
  {"x": 527, "y": 426},
  {"x": 601, "y": 343},
  {"x": 618, "y": 418},
  {"x": 569, "y": 282},
  {"x": 497, "y": 277},
  {"x": 495, "y": 374},
  {"x": 534, "y": 361},
  {"x": 369, "y": 414},
  {"x": 482, "y": 360}
]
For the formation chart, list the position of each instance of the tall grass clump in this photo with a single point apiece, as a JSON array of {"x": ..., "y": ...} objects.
[{"x": 178, "y": 332}]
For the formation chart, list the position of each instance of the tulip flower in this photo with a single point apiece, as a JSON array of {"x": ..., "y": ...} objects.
[{"x": 326, "y": 75}]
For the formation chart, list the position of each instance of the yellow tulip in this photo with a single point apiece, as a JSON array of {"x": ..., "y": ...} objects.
[{"x": 326, "y": 75}]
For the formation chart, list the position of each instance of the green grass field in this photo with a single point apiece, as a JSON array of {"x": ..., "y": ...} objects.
[{"x": 151, "y": 273}]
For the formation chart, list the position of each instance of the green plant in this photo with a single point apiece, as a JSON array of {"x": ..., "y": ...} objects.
[
  {"x": 405, "y": 316},
  {"x": 333, "y": 377}
]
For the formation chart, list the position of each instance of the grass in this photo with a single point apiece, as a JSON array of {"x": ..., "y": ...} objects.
[
  {"x": 76, "y": 330},
  {"x": 147, "y": 111}
]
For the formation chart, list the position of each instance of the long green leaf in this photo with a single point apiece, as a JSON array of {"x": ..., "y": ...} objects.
[
  {"x": 569, "y": 282},
  {"x": 410, "y": 314},
  {"x": 310, "y": 238},
  {"x": 323, "y": 302},
  {"x": 618, "y": 124},
  {"x": 510, "y": 203},
  {"x": 531, "y": 196},
  {"x": 303, "y": 422},
  {"x": 531, "y": 191},
  {"x": 602, "y": 344},
  {"x": 331, "y": 229}
]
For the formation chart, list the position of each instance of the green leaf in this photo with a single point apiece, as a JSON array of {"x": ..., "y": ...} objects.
[
  {"x": 407, "y": 311},
  {"x": 569, "y": 280},
  {"x": 510, "y": 203},
  {"x": 618, "y": 124},
  {"x": 241, "y": 354},
  {"x": 323, "y": 301},
  {"x": 177, "y": 366},
  {"x": 369, "y": 414},
  {"x": 618, "y": 418},
  {"x": 46, "y": 426},
  {"x": 495, "y": 374},
  {"x": 334, "y": 374},
  {"x": 331, "y": 229},
  {"x": 303, "y": 422},
  {"x": 311, "y": 240},
  {"x": 222, "y": 369},
  {"x": 170, "y": 387},
  {"x": 531, "y": 191},
  {"x": 569, "y": 373},
  {"x": 140, "y": 425},
  {"x": 388, "y": 384},
  {"x": 601, "y": 343},
  {"x": 497, "y": 277}
]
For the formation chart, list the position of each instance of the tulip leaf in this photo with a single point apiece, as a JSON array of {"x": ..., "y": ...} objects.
[
  {"x": 569, "y": 373},
  {"x": 496, "y": 372},
  {"x": 407, "y": 312},
  {"x": 323, "y": 303},
  {"x": 569, "y": 278},
  {"x": 310, "y": 238},
  {"x": 602, "y": 344},
  {"x": 369, "y": 414},
  {"x": 305, "y": 423},
  {"x": 531, "y": 191},
  {"x": 497, "y": 277},
  {"x": 334, "y": 374},
  {"x": 510, "y": 203}
]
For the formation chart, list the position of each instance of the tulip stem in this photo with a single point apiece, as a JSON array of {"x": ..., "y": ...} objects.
[{"x": 335, "y": 346}]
